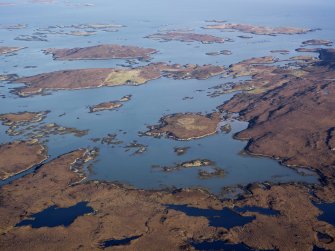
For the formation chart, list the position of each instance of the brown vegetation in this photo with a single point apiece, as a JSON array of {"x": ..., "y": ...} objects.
[
  {"x": 187, "y": 37},
  {"x": 93, "y": 78},
  {"x": 258, "y": 30},
  {"x": 293, "y": 120},
  {"x": 6, "y": 50},
  {"x": 104, "y": 51},
  {"x": 19, "y": 156},
  {"x": 186, "y": 126},
  {"x": 22, "y": 117}
]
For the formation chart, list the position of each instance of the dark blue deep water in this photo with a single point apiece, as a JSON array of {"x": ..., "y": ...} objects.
[
  {"x": 328, "y": 212},
  {"x": 226, "y": 217},
  {"x": 54, "y": 216},
  {"x": 121, "y": 242}
]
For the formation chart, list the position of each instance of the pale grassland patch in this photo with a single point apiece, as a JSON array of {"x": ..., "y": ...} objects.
[{"x": 124, "y": 76}]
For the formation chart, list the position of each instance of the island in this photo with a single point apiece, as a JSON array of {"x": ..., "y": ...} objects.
[
  {"x": 54, "y": 129},
  {"x": 27, "y": 123},
  {"x": 181, "y": 150},
  {"x": 318, "y": 42},
  {"x": 217, "y": 53},
  {"x": 99, "y": 77},
  {"x": 103, "y": 51},
  {"x": 259, "y": 30},
  {"x": 79, "y": 33},
  {"x": 37, "y": 37},
  {"x": 304, "y": 49},
  {"x": 105, "y": 106},
  {"x": 14, "y": 119},
  {"x": 8, "y": 77},
  {"x": 7, "y": 50},
  {"x": 265, "y": 75},
  {"x": 185, "y": 126},
  {"x": 13, "y": 26},
  {"x": 282, "y": 52},
  {"x": 211, "y": 172},
  {"x": 110, "y": 105},
  {"x": 206, "y": 168},
  {"x": 187, "y": 37}
]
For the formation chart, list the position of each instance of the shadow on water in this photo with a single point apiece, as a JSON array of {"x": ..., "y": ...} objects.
[
  {"x": 113, "y": 242},
  {"x": 254, "y": 209},
  {"x": 226, "y": 217},
  {"x": 54, "y": 216},
  {"x": 22, "y": 174},
  {"x": 316, "y": 248},
  {"x": 220, "y": 245},
  {"x": 328, "y": 212}
]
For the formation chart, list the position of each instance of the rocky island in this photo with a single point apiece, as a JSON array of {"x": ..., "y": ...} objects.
[
  {"x": 187, "y": 37},
  {"x": 14, "y": 119},
  {"x": 17, "y": 120},
  {"x": 103, "y": 51},
  {"x": 110, "y": 105},
  {"x": 264, "y": 75},
  {"x": 258, "y": 30},
  {"x": 210, "y": 171},
  {"x": 105, "y": 106},
  {"x": 8, "y": 77},
  {"x": 93, "y": 78},
  {"x": 317, "y": 42},
  {"x": 186, "y": 126},
  {"x": 7, "y": 50}
]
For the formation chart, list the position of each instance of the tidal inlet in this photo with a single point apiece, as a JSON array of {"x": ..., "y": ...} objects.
[{"x": 167, "y": 125}]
